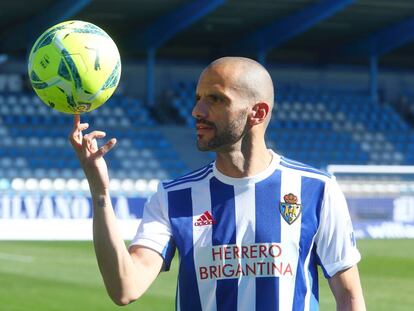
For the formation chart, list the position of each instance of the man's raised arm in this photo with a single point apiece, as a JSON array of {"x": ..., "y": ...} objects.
[{"x": 126, "y": 275}]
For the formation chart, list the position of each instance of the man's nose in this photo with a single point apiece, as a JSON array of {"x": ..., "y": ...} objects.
[{"x": 199, "y": 110}]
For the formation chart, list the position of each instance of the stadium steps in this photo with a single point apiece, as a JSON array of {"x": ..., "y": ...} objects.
[{"x": 184, "y": 141}]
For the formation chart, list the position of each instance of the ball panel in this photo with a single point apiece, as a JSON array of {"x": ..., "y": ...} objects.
[
  {"x": 36, "y": 82},
  {"x": 73, "y": 69},
  {"x": 55, "y": 98},
  {"x": 113, "y": 79},
  {"x": 46, "y": 62},
  {"x": 63, "y": 71},
  {"x": 46, "y": 38}
]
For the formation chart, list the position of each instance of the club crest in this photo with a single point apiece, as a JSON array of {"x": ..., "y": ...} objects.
[{"x": 290, "y": 210}]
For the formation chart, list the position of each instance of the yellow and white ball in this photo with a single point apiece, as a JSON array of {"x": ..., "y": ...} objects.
[{"x": 74, "y": 67}]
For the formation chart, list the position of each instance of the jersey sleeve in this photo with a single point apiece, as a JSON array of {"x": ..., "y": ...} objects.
[
  {"x": 154, "y": 231},
  {"x": 335, "y": 240}
]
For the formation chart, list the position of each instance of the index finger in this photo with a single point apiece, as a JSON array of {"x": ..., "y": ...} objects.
[
  {"x": 77, "y": 127},
  {"x": 76, "y": 120}
]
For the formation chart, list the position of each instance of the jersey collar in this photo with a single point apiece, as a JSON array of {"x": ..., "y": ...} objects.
[{"x": 250, "y": 179}]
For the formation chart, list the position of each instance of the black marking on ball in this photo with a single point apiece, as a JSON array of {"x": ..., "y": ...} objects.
[
  {"x": 97, "y": 65},
  {"x": 45, "y": 61}
]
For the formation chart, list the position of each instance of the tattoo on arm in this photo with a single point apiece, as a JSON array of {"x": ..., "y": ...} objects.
[{"x": 100, "y": 201}]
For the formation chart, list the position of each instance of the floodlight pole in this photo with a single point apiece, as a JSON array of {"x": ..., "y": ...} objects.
[
  {"x": 373, "y": 63},
  {"x": 165, "y": 28},
  {"x": 150, "y": 77}
]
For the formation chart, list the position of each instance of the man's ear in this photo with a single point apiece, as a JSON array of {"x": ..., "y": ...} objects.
[{"x": 259, "y": 113}]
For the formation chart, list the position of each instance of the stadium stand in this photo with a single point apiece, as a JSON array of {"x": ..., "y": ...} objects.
[
  {"x": 338, "y": 129},
  {"x": 183, "y": 100},
  {"x": 322, "y": 128},
  {"x": 318, "y": 128},
  {"x": 33, "y": 141}
]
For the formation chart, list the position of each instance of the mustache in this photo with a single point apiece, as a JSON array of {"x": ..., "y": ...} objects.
[{"x": 205, "y": 122}]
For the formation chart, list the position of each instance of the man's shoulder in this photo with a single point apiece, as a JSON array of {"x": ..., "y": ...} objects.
[
  {"x": 304, "y": 169},
  {"x": 191, "y": 177}
]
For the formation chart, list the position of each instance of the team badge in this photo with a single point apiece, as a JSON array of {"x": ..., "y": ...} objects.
[{"x": 290, "y": 210}]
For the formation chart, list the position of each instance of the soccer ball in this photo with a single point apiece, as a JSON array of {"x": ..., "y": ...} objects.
[{"x": 74, "y": 67}]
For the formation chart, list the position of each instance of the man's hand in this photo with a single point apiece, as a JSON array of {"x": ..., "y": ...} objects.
[{"x": 90, "y": 156}]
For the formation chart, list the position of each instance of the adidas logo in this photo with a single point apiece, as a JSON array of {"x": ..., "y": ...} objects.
[{"x": 205, "y": 219}]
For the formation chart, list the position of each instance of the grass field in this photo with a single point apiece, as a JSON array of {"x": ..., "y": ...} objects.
[{"x": 43, "y": 276}]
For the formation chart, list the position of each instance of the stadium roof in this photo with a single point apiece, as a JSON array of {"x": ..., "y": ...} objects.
[{"x": 278, "y": 31}]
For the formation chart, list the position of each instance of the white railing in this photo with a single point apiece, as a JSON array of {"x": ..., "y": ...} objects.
[
  {"x": 137, "y": 186},
  {"x": 370, "y": 169}
]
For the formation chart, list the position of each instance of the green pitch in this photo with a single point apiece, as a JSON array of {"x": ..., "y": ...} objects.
[{"x": 43, "y": 276}]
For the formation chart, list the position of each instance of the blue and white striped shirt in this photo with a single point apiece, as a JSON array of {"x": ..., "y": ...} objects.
[{"x": 250, "y": 243}]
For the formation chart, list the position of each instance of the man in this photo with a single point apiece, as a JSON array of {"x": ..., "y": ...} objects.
[{"x": 250, "y": 228}]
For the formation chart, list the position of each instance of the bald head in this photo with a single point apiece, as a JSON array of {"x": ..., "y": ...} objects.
[
  {"x": 234, "y": 101},
  {"x": 247, "y": 76}
]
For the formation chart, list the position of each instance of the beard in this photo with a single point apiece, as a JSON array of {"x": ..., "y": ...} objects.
[{"x": 225, "y": 137}]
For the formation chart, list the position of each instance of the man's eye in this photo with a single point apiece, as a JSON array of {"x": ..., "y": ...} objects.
[{"x": 214, "y": 98}]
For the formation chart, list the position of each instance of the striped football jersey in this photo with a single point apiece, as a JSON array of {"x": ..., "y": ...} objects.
[{"x": 250, "y": 243}]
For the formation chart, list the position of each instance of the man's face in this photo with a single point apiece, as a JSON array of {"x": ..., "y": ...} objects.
[{"x": 220, "y": 111}]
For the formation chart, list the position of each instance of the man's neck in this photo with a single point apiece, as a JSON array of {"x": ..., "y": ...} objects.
[{"x": 244, "y": 160}]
